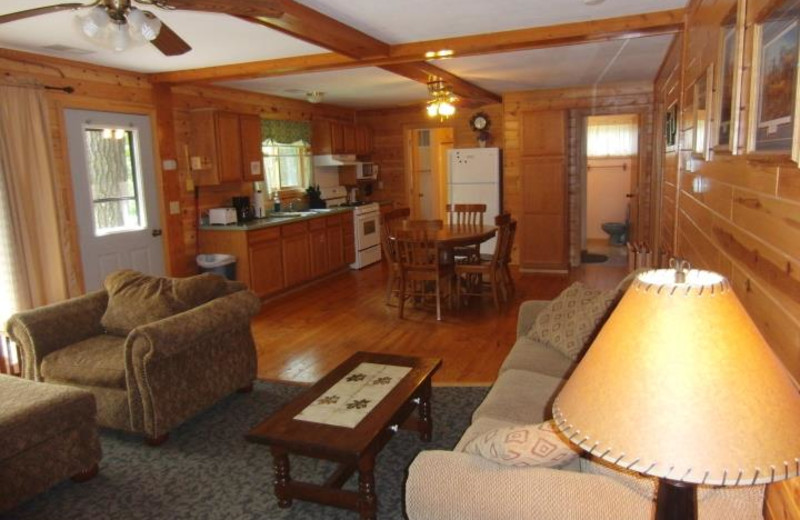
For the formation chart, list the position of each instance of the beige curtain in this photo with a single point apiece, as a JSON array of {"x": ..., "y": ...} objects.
[{"x": 32, "y": 267}]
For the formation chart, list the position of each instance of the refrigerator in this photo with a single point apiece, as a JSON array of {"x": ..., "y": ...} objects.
[{"x": 475, "y": 177}]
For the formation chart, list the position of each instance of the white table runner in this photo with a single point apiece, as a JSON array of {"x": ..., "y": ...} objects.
[{"x": 347, "y": 402}]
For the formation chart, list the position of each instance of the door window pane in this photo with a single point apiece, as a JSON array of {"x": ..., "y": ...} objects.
[{"x": 114, "y": 180}]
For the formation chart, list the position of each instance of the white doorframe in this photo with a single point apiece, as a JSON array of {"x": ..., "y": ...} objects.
[{"x": 138, "y": 246}]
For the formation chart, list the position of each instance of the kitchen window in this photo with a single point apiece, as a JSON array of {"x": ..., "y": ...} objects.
[{"x": 287, "y": 166}]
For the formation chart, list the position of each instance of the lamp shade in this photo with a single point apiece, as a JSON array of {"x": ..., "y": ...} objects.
[{"x": 679, "y": 384}]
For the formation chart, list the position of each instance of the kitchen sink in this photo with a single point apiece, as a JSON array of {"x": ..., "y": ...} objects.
[
  {"x": 321, "y": 210},
  {"x": 291, "y": 214}
]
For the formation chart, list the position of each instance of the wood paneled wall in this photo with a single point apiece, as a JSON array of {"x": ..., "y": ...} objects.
[
  {"x": 579, "y": 102},
  {"x": 736, "y": 213},
  {"x": 106, "y": 89},
  {"x": 388, "y": 127}
]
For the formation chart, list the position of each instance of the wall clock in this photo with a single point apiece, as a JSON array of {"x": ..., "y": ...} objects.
[{"x": 480, "y": 122}]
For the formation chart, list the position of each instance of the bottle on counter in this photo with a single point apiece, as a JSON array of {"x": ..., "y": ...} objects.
[{"x": 276, "y": 202}]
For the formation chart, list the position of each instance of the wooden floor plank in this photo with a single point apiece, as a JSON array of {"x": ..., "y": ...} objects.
[{"x": 302, "y": 336}]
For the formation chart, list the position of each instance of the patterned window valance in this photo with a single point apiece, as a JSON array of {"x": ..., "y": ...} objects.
[{"x": 286, "y": 132}]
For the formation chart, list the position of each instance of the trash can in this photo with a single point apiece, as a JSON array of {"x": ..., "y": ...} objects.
[{"x": 223, "y": 265}]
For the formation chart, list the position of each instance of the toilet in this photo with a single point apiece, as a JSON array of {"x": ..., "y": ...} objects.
[{"x": 617, "y": 233}]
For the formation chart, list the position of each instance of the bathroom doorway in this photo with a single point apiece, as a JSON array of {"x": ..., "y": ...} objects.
[{"x": 609, "y": 212}]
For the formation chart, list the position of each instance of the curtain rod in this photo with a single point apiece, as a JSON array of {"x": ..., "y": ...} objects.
[{"x": 68, "y": 90}]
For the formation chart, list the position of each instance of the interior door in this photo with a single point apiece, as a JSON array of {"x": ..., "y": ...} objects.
[{"x": 113, "y": 174}]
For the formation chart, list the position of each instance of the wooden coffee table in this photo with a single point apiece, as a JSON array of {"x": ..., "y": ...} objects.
[{"x": 354, "y": 448}]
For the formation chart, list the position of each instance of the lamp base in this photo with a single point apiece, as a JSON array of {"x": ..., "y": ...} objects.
[{"x": 676, "y": 500}]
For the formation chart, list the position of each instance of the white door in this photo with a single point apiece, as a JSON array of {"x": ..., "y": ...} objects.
[{"x": 116, "y": 202}]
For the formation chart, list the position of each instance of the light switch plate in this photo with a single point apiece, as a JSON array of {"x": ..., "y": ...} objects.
[
  {"x": 255, "y": 168},
  {"x": 169, "y": 165},
  {"x": 174, "y": 207}
]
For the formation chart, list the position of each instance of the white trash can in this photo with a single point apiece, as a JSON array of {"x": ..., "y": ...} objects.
[{"x": 223, "y": 265}]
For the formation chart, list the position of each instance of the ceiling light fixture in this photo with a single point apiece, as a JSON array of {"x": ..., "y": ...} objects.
[
  {"x": 444, "y": 53},
  {"x": 441, "y": 100},
  {"x": 118, "y": 25},
  {"x": 315, "y": 96}
]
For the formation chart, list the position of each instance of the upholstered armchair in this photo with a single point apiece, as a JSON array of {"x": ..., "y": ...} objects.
[{"x": 153, "y": 351}]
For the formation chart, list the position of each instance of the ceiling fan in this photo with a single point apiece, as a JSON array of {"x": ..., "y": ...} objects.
[{"x": 116, "y": 21}]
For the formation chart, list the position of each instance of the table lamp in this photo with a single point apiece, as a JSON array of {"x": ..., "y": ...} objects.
[{"x": 680, "y": 385}]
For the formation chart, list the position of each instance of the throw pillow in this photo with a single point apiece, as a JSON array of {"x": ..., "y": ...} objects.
[
  {"x": 136, "y": 299},
  {"x": 568, "y": 322},
  {"x": 530, "y": 445}
]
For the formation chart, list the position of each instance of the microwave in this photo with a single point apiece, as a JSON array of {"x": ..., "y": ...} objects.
[{"x": 366, "y": 170}]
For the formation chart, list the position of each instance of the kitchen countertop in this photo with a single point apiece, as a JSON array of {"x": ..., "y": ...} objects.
[{"x": 261, "y": 223}]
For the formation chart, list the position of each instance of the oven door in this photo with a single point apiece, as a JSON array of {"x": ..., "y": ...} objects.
[{"x": 368, "y": 232}]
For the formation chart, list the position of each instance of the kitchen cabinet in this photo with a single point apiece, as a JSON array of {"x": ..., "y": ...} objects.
[
  {"x": 348, "y": 238},
  {"x": 334, "y": 137},
  {"x": 277, "y": 258},
  {"x": 224, "y": 147},
  {"x": 295, "y": 252},
  {"x": 318, "y": 247},
  {"x": 266, "y": 261}
]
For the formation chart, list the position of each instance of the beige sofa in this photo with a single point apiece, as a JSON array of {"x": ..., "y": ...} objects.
[
  {"x": 455, "y": 485},
  {"x": 168, "y": 349}
]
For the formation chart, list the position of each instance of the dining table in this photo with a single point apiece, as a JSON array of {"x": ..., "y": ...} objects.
[{"x": 448, "y": 237}]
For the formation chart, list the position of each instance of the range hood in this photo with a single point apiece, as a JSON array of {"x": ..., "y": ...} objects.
[{"x": 335, "y": 160}]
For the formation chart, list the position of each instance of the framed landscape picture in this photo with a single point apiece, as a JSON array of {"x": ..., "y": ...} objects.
[
  {"x": 777, "y": 79},
  {"x": 726, "y": 81}
]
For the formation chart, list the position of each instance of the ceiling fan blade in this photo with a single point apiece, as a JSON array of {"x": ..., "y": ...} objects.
[
  {"x": 169, "y": 43},
  {"x": 266, "y": 8},
  {"x": 21, "y": 15}
]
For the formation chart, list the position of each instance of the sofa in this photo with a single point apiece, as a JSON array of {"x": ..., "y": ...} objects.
[
  {"x": 47, "y": 434},
  {"x": 469, "y": 483},
  {"x": 153, "y": 351}
]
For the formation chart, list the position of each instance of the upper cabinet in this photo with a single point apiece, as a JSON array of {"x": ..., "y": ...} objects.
[
  {"x": 333, "y": 137},
  {"x": 225, "y": 147}
]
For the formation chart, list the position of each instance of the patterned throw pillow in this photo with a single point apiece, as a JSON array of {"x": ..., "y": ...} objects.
[
  {"x": 529, "y": 445},
  {"x": 568, "y": 322}
]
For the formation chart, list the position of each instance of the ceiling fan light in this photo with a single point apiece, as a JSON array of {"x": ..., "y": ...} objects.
[
  {"x": 120, "y": 37},
  {"x": 433, "y": 109},
  {"x": 93, "y": 22},
  {"x": 150, "y": 28},
  {"x": 136, "y": 18}
]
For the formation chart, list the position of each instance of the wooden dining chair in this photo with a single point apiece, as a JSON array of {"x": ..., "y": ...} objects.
[
  {"x": 466, "y": 214},
  {"x": 421, "y": 273},
  {"x": 505, "y": 261},
  {"x": 389, "y": 221},
  {"x": 473, "y": 278}
]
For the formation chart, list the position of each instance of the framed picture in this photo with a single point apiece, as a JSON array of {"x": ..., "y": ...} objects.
[
  {"x": 671, "y": 127},
  {"x": 726, "y": 80},
  {"x": 702, "y": 114},
  {"x": 776, "y": 80}
]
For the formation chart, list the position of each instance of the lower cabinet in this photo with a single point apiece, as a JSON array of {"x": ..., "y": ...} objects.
[
  {"x": 296, "y": 257},
  {"x": 275, "y": 258}
]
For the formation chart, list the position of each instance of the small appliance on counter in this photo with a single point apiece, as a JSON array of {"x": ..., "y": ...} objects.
[
  {"x": 244, "y": 212},
  {"x": 260, "y": 201},
  {"x": 222, "y": 216}
]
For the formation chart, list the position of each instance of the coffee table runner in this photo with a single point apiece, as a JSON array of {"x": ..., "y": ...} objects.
[{"x": 348, "y": 401}]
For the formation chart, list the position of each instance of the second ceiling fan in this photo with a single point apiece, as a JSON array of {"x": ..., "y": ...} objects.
[{"x": 115, "y": 22}]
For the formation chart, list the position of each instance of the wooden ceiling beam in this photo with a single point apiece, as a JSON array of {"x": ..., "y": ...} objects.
[
  {"x": 634, "y": 26},
  {"x": 423, "y": 72},
  {"x": 316, "y": 28}
]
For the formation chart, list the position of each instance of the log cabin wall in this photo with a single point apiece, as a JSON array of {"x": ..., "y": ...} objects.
[
  {"x": 113, "y": 90},
  {"x": 737, "y": 212},
  {"x": 388, "y": 127},
  {"x": 579, "y": 103}
]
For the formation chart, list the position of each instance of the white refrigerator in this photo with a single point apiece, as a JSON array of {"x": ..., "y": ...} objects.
[{"x": 475, "y": 177}]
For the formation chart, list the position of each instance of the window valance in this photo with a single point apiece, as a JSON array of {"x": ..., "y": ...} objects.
[{"x": 286, "y": 132}]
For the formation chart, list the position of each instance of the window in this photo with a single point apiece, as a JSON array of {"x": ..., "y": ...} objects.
[
  {"x": 612, "y": 136},
  {"x": 114, "y": 180},
  {"x": 287, "y": 166}
]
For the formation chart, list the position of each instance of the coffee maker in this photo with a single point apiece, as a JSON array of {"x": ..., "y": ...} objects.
[{"x": 244, "y": 213}]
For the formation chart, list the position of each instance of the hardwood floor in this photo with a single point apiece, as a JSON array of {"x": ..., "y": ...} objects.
[{"x": 303, "y": 335}]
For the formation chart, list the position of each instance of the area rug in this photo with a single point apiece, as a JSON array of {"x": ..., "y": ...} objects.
[
  {"x": 592, "y": 258},
  {"x": 207, "y": 469}
]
